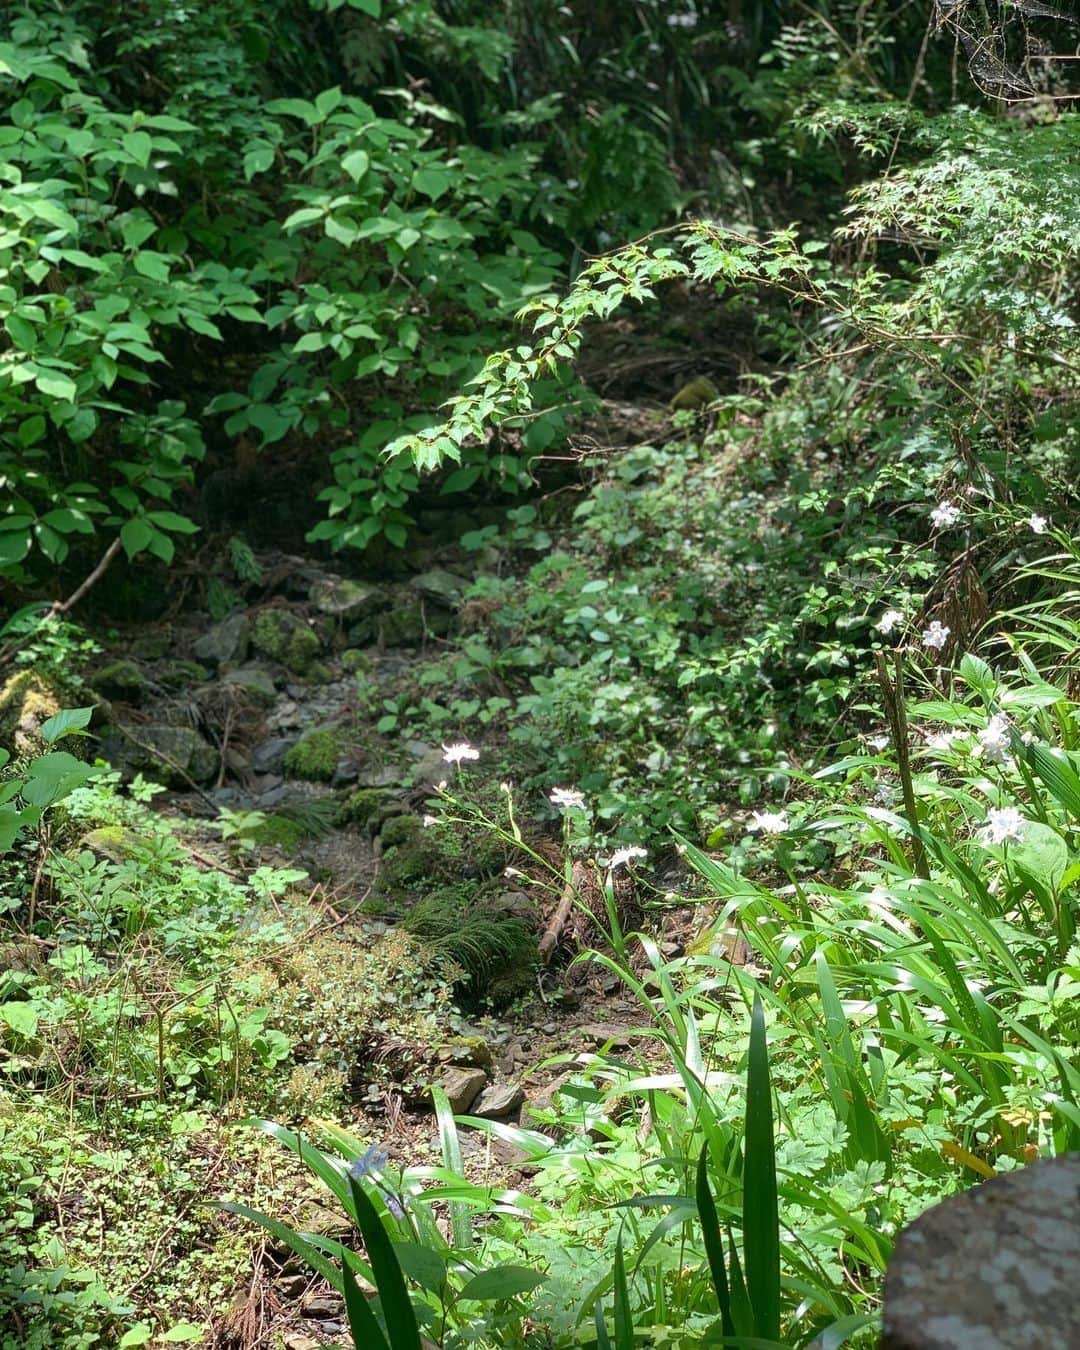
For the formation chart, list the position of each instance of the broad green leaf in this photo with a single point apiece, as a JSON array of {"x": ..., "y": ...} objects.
[
  {"x": 502, "y": 1282},
  {"x": 135, "y": 535},
  {"x": 356, "y": 164},
  {"x": 139, "y": 146},
  {"x": 65, "y": 722},
  {"x": 1042, "y": 853},
  {"x": 20, "y": 1017}
]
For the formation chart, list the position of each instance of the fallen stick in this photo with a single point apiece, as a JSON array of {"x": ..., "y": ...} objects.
[{"x": 550, "y": 935}]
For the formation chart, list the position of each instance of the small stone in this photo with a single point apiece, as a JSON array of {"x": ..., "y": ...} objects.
[
  {"x": 462, "y": 1087},
  {"x": 469, "y": 1051},
  {"x": 355, "y": 661},
  {"x": 299, "y": 1340},
  {"x": 498, "y": 1101},
  {"x": 225, "y": 641}
]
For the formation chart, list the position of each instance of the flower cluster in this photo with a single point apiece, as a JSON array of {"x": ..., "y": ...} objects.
[
  {"x": 1004, "y": 826},
  {"x": 621, "y": 856},
  {"x": 458, "y": 752},
  {"x": 936, "y": 636},
  {"x": 566, "y": 798},
  {"x": 889, "y": 621},
  {"x": 995, "y": 740},
  {"x": 944, "y": 514},
  {"x": 768, "y": 822}
]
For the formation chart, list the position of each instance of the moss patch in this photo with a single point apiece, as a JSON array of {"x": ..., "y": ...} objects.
[{"x": 314, "y": 757}]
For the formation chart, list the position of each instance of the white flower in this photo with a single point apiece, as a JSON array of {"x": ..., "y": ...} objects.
[
  {"x": 944, "y": 514},
  {"x": 768, "y": 822},
  {"x": 460, "y": 750},
  {"x": 936, "y": 636},
  {"x": 506, "y": 788},
  {"x": 941, "y": 740},
  {"x": 994, "y": 739},
  {"x": 1004, "y": 826},
  {"x": 564, "y": 798},
  {"x": 888, "y": 621},
  {"x": 885, "y": 794},
  {"x": 878, "y": 743},
  {"x": 1037, "y": 523},
  {"x": 626, "y": 855},
  {"x": 429, "y": 821}
]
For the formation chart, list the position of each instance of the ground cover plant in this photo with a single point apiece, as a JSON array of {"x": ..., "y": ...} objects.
[{"x": 547, "y": 527}]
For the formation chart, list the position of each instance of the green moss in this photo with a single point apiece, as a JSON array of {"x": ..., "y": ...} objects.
[
  {"x": 354, "y": 660},
  {"x": 279, "y": 832},
  {"x": 283, "y": 637},
  {"x": 695, "y": 394},
  {"x": 314, "y": 757}
]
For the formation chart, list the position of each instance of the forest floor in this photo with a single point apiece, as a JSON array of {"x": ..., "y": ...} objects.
[{"x": 273, "y": 729}]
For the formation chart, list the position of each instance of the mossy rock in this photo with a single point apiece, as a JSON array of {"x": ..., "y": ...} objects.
[
  {"x": 179, "y": 674},
  {"x": 314, "y": 757},
  {"x": 26, "y": 701},
  {"x": 279, "y": 634},
  {"x": 365, "y": 806},
  {"x": 400, "y": 831},
  {"x": 122, "y": 681}
]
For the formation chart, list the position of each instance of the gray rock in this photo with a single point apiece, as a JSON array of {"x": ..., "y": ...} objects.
[
  {"x": 175, "y": 756},
  {"x": 993, "y": 1267},
  {"x": 499, "y": 1101},
  {"x": 441, "y": 587},
  {"x": 347, "y": 600},
  {"x": 378, "y": 775},
  {"x": 322, "y": 1305},
  {"x": 255, "y": 680},
  {"x": 225, "y": 641},
  {"x": 462, "y": 1087},
  {"x": 269, "y": 757}
]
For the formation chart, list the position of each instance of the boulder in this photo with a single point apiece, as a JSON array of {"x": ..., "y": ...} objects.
[
  {"x": 174, "y": 756},
  {"x": 225, "y": 641},
  {"x": 255, "y": 680},
  {"x": 441, "y": 587},
  {"x": 349, "y": 601},
  {"x": 26, "y": 701},
  {"x": 993, "y": 1267},
  {"x": 269, "y": 757}
]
